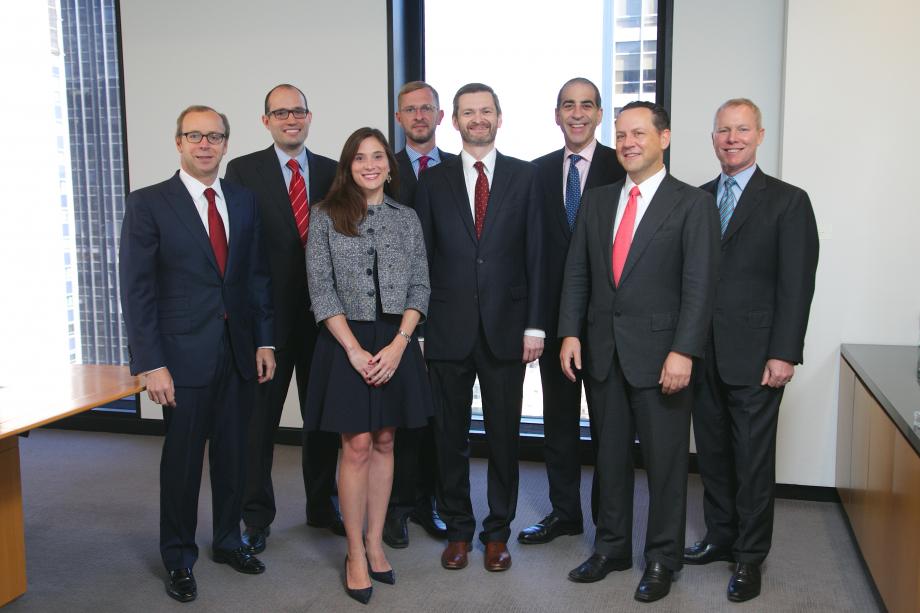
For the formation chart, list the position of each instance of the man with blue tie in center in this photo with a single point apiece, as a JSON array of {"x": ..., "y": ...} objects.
[
  {"x": 196, "y": 298},
  {"x": 564, "y": 174},
  {"x": 415, "y": 468},
  {"x": 769, "y": 254}
]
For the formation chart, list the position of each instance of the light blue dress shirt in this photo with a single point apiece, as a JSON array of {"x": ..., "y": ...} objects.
[{"x": 434, "y": 157}]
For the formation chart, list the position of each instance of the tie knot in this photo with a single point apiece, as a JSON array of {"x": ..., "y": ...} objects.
[
  {"x": 634, "y": 192},
  {"x": 730, "y": 182},
  {"x": 209, "y": 194},
  {"x": 575, "y": 158},
  {"x": 293, "y": 165},
  {"x": 480, "y": 167}
]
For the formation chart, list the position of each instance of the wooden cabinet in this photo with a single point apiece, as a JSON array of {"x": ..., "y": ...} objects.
[{"x": 878, "y": 477}]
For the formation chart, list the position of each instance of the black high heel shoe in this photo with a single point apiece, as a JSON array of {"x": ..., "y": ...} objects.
[
  {"x": 383, "y": 576},
  {"x": 362, "y": 595}
]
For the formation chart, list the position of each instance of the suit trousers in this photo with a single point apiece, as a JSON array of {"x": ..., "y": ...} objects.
[
  {"x": 319, "y": 451},
  {"x": 663, "y": 425},
  {"x": 735, "y": 429},
  {"x": 218, "y": 412},
  {"x": 415, "y": 471},
  {"x": 501, "y": 383},
  {"x": 562, "y": 436}
]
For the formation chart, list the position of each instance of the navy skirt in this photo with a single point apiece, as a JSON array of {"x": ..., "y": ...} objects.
[{"x": 338, "y": 399}]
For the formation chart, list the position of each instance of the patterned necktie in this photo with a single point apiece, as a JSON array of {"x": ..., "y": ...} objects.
[
  {"x": 623, "y": 239},
  {"x": 423, "y": 163},
  {"x": 727, "y": 203},
  {"x": 481, "y": 200},
  {"x": 216, "y": 231},
  {"x": 298, "y": 194},
  {"x": 572, "y": 190}
]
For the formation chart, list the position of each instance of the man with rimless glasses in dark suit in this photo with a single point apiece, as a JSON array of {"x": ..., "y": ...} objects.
[{"x": 287, "y": 179}]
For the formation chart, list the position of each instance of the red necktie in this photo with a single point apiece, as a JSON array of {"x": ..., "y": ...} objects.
[
  {"x": 298, "y": 195},
  {"x": 623, "y": 239},
  {"x": 423, "y": 163},
  {"x": 481, "y": 197},
  {"x": 216, "y": 232}
]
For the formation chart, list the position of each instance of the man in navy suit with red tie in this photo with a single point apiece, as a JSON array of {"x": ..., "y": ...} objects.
[{"x": 196, "y": 297}]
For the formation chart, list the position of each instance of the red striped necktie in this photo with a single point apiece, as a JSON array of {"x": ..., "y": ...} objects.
[{"x": 299, "y": 204}]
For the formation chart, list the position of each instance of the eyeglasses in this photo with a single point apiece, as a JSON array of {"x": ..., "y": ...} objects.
[
  {"x": 282, "y": 114},
  {"x": 426, "y": 109},
  {"x": 215, "y": 138}
]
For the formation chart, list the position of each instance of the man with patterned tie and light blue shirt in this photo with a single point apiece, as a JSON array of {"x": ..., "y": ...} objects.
[
  {"x": 769, "y": 254},
  {"x": 415, "y": 471},
  {"x": 564, "y": 174}
]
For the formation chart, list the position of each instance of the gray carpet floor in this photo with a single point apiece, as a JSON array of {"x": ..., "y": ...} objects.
[{"x": 91, "y": 508}]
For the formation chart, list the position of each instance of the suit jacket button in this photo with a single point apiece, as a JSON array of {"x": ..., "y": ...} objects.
[
  {"x": 370, "y": 230},
  {"x": 370, "y": 293},
  {"x": 370, "y": 251},
  {"x": 369, "y": 271},
  {"x": 479, "y": 261}
]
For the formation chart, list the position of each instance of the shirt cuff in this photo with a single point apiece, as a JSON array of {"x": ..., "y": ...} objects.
[
  {"x": 535, "y": 333},
  {"x": 152, "y": 370},
  {"x": 266, "y": 347}
]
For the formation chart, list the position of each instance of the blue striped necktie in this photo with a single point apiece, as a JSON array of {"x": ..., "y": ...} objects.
[
  {"x": 572, "y": 190},
  {"x": 727, "y": 203}
]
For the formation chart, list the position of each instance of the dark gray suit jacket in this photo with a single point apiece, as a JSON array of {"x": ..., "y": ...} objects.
[
  {"x": 769, "y": 256},
  {"x": 664, "y": 300},
  {"x": 407, "y": 179}
]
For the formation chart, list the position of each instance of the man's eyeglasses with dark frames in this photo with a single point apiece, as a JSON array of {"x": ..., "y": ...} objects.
[
  {"x": 215, "y": 138},
  {"x": 282, "y": 114}
]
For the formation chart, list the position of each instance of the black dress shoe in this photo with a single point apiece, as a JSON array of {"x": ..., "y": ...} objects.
[
  {"x": 181, "y": 585},
  {"x": 239, "y": 560},
  {"x": 655, "y": 583},
  {"x": 547, "y": 529},
  {"x": 383, "y": 576},
  {"x": 703, "y": 553},
  {"x": 597, "y": 567},
  {"x": 333, "y": 524},
  {"x": 428, "y": 518},
  {"x": 254, "y": 539},
  {"x": 362, "y": 595},
  {"x": 745, "y": 582},
  {"x": 396, "y": 532}
]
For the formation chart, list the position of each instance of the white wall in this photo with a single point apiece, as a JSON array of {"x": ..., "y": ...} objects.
[
  {"x": 813, "y": 67},
  {"x": 228, "y": 54}
]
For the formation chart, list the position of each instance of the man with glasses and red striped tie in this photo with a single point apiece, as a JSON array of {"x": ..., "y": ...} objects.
[
  {"x": 196, "y": 297},
  {"x": 287, "y": 179}
]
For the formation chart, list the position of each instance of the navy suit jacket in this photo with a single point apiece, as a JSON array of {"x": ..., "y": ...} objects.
[
  {"x": 172, "y": 294},
  {"x": 261, "y": 173},
  {"x": 769, "y": 256},
  {"x": 664, "y": 300},
  {"x": 497, "y": 280},
  {"x": 604, "y": 170},
  {"x": 407, "y": 179}
]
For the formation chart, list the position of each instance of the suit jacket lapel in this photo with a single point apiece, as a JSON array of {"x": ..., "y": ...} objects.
[
  {"x": 501, "y": 179},
  {"x": 658, "y": 210},
  {"x": 607, "y": 217},
  {"x": 556, "y": 193},
  {"x": 750, "y": 198},
  {"x": 457, "y": 183},
  {"x": 184, "y": 207},
  {"x": 270, "y": 169},
  {"x": 236, "y": 223}
]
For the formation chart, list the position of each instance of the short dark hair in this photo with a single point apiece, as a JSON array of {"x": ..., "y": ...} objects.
[
  {"x": 473, "y": 88},
  {"x": 413, "y": 86},
  {"x": 286, "y": 86},
  {"x": 200, "y": 108},
  {"x": 345, "y": 203},
  {"x": 660, "y": 118},
  {"x": 582, "y": 81}
]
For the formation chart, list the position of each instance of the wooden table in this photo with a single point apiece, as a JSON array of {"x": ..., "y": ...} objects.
[{"x": 27, "y": 403}]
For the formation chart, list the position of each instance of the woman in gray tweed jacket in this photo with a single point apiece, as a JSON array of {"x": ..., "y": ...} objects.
[{"x": 368, "y": 277}]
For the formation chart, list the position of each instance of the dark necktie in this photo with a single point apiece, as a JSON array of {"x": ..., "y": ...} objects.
[
  {"x": 423, "y": 163},
  {"x": 481, "y": 197},
  {"x": 298, "y": 194},
  {"x": 572, "y": 190},
  {"x": 624, "y": 236},
  {"x": 216, "y": 231}
]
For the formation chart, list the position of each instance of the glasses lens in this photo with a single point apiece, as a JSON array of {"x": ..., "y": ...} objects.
[
  {"x": 280, "y": 114},
  {"x": 194, "y": 137},
  {"x": 215, "y": 138},
  {"x": 299, "y": 113}
]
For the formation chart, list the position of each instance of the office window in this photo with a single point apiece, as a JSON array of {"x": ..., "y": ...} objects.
[{"x": 526, "y": 52}]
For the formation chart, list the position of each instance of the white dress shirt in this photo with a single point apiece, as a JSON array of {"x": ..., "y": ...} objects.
[
  {"x": 647, "y": 191},
  {"x": 196, "y": 190}
]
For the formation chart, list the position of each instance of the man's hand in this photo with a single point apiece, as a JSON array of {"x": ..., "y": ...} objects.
[
  {"x": 675, "y": 374},
  {"x": 265, "y": 364},
  {"x": 160, "y": 388},
  {"x": 570, "y": 352},
  {"x": 777, "y": 373},
  {"x": 533, "y": 348}
]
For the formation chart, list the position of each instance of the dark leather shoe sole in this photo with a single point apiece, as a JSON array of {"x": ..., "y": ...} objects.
[{"x": 181, "y": 596}]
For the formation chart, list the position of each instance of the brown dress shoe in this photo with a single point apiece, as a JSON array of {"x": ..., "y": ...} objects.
[
  {"x": 497, "y": 557},
  {"x": 454, "y": 556}
]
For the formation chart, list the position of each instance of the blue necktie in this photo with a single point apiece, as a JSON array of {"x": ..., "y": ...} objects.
[
  {"x": 727, "y": 203},
  {"x": 572, "y": 190}
]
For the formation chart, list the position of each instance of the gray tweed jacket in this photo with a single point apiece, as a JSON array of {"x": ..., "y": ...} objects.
[{"x": 340, "y": 269}]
